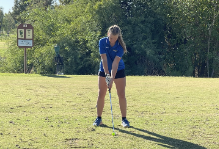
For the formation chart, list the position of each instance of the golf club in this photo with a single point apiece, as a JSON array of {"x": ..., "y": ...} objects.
[{"x": 111, "y": 112}]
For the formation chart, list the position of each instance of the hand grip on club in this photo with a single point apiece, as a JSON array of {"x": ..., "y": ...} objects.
[{"x": 108, "y": 79}]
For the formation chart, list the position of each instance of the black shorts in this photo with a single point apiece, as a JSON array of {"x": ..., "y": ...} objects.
[{"x": 119, "y": 74}]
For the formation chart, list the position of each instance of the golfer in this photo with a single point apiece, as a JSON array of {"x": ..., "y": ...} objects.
[{"x": 112, "y": 67}]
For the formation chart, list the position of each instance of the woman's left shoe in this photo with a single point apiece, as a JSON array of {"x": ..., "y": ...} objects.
[{"x": 125, "y": 123}]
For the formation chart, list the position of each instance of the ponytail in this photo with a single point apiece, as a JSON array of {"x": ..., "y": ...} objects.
[{"x": 122, "y": 43}]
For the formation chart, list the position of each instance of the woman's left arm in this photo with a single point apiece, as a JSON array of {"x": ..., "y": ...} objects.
[
  {"x": 115, "y": 66},
  {"x": 114, "y": 70}
]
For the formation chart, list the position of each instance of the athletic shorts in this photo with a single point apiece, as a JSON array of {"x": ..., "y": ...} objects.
[{"x": 119, "y": 74}]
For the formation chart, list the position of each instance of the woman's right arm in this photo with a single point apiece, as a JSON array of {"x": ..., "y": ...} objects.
[{"x": 104, "y": 61}]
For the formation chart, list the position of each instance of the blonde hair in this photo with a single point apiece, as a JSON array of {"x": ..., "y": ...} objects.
[{"x": 115, "y": 30}]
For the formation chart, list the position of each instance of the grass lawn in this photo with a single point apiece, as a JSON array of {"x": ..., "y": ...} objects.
[{"x": 58, "y": 112}]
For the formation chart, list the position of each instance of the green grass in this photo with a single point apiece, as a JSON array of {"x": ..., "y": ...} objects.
[{"x": 58, "y": 111}]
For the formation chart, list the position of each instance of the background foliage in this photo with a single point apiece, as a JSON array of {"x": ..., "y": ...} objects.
[{"x": 163, "y": 37}]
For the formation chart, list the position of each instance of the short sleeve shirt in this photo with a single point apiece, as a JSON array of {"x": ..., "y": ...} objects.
[{"x": 111, "y": 53}]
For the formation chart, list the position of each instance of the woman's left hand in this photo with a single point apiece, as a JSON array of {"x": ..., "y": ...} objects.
[{"x": 110, "y": 83}]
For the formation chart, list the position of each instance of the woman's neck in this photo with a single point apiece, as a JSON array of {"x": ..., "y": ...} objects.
[{"x": 112, "y": 44}]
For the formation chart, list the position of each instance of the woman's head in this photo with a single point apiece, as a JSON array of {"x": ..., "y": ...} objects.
[
  {"x": 114, "y": 30},
  {"x": 114, "y": 34}
]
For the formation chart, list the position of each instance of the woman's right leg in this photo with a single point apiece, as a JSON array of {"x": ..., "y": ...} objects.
[
  {"x": 100, "y": 100},
  {"x": 101, "y": 95}
]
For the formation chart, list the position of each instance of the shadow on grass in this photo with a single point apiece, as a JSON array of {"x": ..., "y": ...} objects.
[
  {"x": 163, "y": 141},
  {"x": 55, "y": 76}
]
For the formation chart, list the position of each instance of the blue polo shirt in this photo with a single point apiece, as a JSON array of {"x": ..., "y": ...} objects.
[{"x": 111, "y": 53}]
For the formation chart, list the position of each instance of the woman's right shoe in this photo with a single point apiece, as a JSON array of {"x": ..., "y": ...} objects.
[{"x": 98, "y": 122}]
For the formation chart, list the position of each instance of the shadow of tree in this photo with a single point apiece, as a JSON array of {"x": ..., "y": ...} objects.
[{"x": 161, "y": 140}]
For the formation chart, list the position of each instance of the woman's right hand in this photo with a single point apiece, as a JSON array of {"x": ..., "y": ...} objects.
[{"x": 108, "y": 79}]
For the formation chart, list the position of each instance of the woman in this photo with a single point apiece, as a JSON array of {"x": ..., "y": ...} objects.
[{"x": 111, "y": 50}]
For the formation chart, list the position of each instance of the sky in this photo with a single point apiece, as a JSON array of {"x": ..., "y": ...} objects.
[{"x": 7, "y": 5}]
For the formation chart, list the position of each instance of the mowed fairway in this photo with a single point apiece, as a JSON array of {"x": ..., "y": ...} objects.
[{"x": 58, "y": 112}]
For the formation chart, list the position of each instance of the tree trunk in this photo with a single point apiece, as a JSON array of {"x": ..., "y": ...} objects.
[{"x": 209, "y": 38}]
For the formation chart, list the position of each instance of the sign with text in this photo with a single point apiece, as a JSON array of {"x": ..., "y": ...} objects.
[
  {"x": 25, "y": 35},
  {"x": 29, "y": 34},
  {"x": 25, "y": 43}
]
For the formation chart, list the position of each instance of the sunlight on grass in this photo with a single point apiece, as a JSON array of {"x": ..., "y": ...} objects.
[{"x": 58, "y": 111}]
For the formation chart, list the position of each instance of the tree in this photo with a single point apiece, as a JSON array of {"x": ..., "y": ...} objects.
[
  {"x": 163, "y": 37},
  {"x": 72, "y": 28},
  {"x": 40, "y": 3},
  {"x": 65, "y": 2},
  {"x": 210, "y": 28},
  {"x": 20, "y": 6},
  {"x": 17, "y": 9},
  {"x": 8, "y": 23},
  {"x": 192, "y": 35},
  {"x": 140, "y": 24},
  {"x": 1, "y": 17}
]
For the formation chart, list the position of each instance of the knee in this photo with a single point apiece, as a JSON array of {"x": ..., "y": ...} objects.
[
  {"x": 102, "y": 93},
  {"x": 121, "y": 95}
]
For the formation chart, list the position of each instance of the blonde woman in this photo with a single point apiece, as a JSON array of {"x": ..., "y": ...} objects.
[{"x": 111, "y": 50}]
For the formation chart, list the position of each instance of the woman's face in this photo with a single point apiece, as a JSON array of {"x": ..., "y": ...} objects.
[{"x": 112, "y": 38}]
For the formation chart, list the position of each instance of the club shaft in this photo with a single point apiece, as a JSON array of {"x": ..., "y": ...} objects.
[{"x": 111, "y": 109}]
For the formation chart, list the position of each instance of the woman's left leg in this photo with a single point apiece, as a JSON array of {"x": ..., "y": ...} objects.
[{"x": 120, "y": 87}]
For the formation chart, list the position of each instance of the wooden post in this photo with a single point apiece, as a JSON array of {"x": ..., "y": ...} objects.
[{"x": 25, "y": 61}]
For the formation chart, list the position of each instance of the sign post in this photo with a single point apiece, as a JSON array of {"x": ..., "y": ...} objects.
[
  {"x": 25, "y": 60},
  {"x": 25, "y": 36}
]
